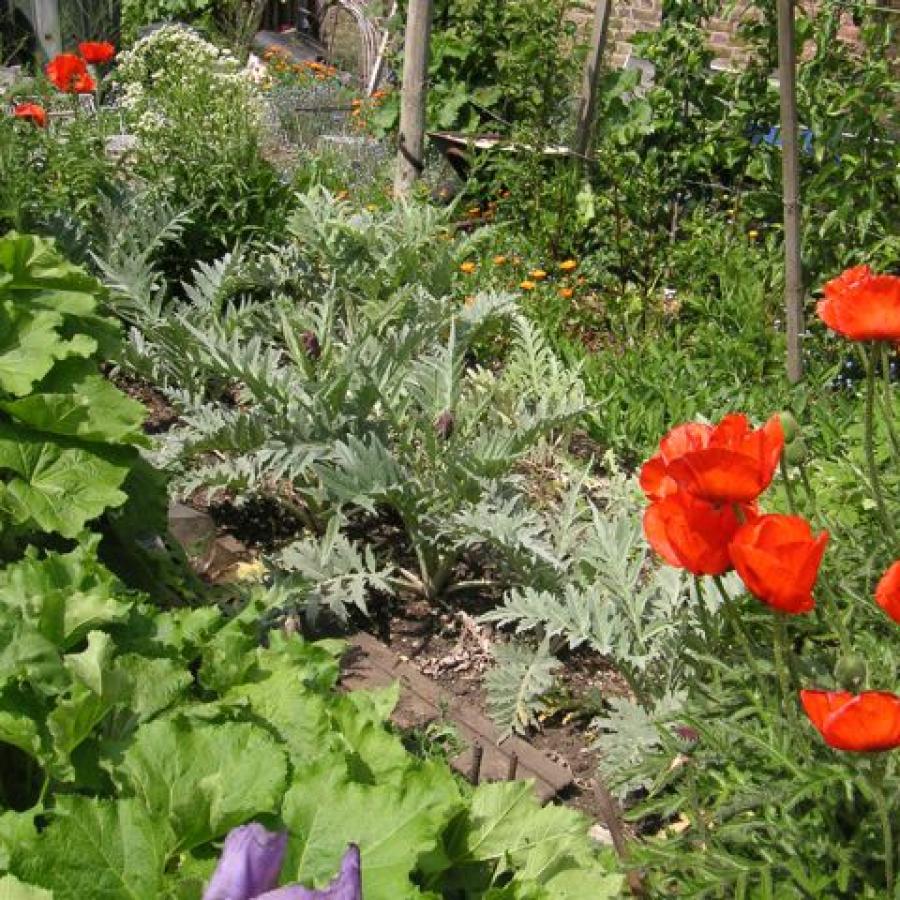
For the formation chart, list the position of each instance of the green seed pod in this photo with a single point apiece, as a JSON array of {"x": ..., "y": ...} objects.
[
  {"x": 789, "y": 426},
  {"x": 851, "y": 671},
  {"x": 796, "y": 452}
]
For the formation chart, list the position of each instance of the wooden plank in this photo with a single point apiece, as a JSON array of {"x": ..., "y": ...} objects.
[{"x": 371, "y": 664}]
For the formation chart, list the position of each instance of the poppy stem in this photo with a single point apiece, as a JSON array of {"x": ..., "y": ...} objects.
[
  {"x": 780, "y": 652},
  {"x": 788, "y": 488},
  {"x": 869, "y": 441},
  {"x": 876, "y": 785},
  {"x": 888, "y": 399},
  {"x": 731, "y": 614}
]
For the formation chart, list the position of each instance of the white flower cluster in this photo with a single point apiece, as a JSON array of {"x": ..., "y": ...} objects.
[{"x": 176, "y": 87}]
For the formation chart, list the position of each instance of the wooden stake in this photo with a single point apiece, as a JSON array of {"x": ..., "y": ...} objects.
[
  {"x": 411, "y": 149},
  {"x": 790, "y": 177},
  {"x": 46, "y": 26},
  {"x": 587, "y": 104}
]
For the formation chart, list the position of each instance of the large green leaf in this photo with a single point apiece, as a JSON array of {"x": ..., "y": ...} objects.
[
  {"x": 58, "y": 486},
  {"x": 393, "y": 824},
  {"x": 507, "y": 830},
  {"x": 203, "y": 779},
  {"x": 13, "y": 889},
  {"x": 30, "y": 344},
  {"x": 75, "y": 399},
  {"x": 102, "y": 849},
  {"x": 64, "y": 594},
  {"x": 18, "y": 836}
]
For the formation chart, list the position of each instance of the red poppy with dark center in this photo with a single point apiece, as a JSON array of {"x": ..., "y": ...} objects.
[
  {"x": 97, "y": 53},
  {"x": 887, "y": 594},
  {"x": 735, "y": 465},
  {"x": 859, "y": 723},
  {"x": 778, "y": 560},
  {"x": 31, "y": 112},
  {"x": 655, "y": 480},
  {"x": 69, "y": 73},
  {"x": 862, "y": 306},
  {"x": 691, "y": 534}
]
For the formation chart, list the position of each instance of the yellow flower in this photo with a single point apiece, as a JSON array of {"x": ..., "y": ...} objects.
[
  {"x": 499, "y": 260},
  {"x": 537, "y": 274},
  {"x": 342, "y": 195},
  {"x": 528, "y": 285},
  {"x": 371, "y": 207},
  {"x": 566, "y": 293},
  {"x": 753, "y": 234},
  {"x": 250, "y": 571},
  {"x": 568, "y": 265},
  {"x": 474, "y": 212},
  {"x": 468, "y": 267}
]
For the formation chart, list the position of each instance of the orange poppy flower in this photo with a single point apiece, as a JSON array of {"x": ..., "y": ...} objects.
[
  {"x": 69, "y": 73},
  {"x": 97, "y": 53},
  {"x": 887, "y": 594},
  {"x": 862, "y": 306},
  {"x": 566, "y": 293},
  {"x": 778, "y": 559},
  {"x": 691, "y": 534},
  {"x": 737, "y": 464},
  {"x": 527, "y": 285},
  {"x": 467, "y": 268},
  {"x": 31, "y": 112},
  {"x": 568, "y": 265},
  {"x": 859, "y": 723},
  {"x": 654, "y": 479}
]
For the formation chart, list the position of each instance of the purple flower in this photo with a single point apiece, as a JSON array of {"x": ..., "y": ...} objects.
[{"x": 251, "y": 860}]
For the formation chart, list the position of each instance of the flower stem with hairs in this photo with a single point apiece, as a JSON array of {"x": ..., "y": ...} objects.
[{"x": 871, "y": 462}]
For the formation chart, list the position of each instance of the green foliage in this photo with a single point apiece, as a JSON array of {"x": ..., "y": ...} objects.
[
  {"x": 196, "y": 116},
  {"x": 137, "y": 770},
  {"x": 67, "y": 436}
]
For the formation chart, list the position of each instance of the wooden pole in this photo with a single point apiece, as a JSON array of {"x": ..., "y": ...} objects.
[
  {"x": 790, "y": 178},
  {"x": 46, "y": 26},
  {"x": 411, "y": 150},
  {"x": 587, "y": 104}
]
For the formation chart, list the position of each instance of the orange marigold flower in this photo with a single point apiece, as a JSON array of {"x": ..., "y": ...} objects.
[
  {"x": 527, "y": 285},
  {"x": 468, "y": 267},
  {"x": 499, "y": 260},
  {"x": 566, "y": 293},
  {"x": 568, "y": 265},
  {"x": 537, "y": 274}
]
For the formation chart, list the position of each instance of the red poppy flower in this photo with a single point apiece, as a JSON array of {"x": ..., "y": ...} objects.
[
  {"x": 862, "y": 306},
  {"x": 778, "y": 560},
  {"x": 691, "y": 534},
  {"x": 887, "y": 594},
  {"x": 735, "y": 466},
  {"x": 655, "y": 481},
  {"x": 861, "y": 723},
  {"x": 32, "y": 112},
  {"x": 69, "y": 73},
  {"x": 97, "y": 53}
]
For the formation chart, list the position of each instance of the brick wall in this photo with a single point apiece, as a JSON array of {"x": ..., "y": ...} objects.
[{"x": 631, "y": 16}]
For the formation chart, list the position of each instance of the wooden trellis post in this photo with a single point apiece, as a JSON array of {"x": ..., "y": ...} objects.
[
  {"x": 411, "y": 149},
  {"x": 790, "y": 178},
  {"x": 587, "y": 104},
  {"x": 44, "y": 17}
]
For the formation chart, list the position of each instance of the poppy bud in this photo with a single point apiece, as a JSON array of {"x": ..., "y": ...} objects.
[
  {"x": 789, "y": 426},
  {"x": 443, "y": 425},
  {"x": 311, "y": 345},
  {"x": 850, "y": 671},
  {"x": 796, "y": 452}
]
